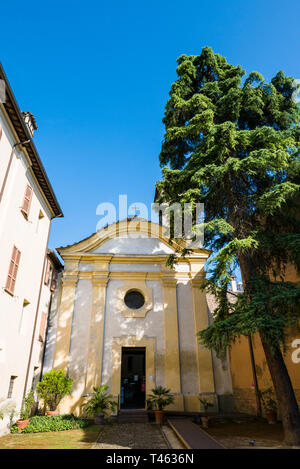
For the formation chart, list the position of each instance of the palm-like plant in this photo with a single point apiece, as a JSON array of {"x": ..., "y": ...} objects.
[
  {"x": 161, "y": 397},
  {"x": 100, "y": 402},
  {"x": 206, "y": 404}
]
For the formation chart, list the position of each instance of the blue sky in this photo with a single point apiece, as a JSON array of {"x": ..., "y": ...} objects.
[{"x": 96, "y": 75}]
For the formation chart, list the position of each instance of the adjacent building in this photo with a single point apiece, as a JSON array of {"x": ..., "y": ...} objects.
[{"x": 27, "y": 206}]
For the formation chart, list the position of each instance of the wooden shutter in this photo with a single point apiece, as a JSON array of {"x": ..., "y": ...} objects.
[
  {"x": 12, "y": 271},
  {"x": 53, "y": 280},
  {"x": 27, "y": 201},
  {"x": 46, "y": 280},
  {"x": 43, "y": 327}
]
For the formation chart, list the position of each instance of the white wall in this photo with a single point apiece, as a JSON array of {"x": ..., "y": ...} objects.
[
  {"x": 30, "y": 237},
  {"x": 80, "y": 335},
  {"x": 133, "y": 244}
]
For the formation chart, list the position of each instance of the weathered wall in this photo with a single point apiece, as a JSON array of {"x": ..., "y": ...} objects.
[{"x": 242, "y": 378}]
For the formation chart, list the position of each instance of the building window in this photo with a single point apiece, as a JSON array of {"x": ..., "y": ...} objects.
[
  {"x": 134, "y": 299},
  {"x": 27, "y": 201},
  {"x": 12, "y": 271},
  {"x": 43, "y": 327},
  {"x": 53, "y": 284},
  {"x": 11, "y": 387},
  {"x": 34, "y": 378},
  {"x": 48, "y": 273}
]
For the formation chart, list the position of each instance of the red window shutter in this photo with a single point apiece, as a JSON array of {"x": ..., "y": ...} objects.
[
  {"x": 53, "y": 281},
  {"x": 46, "y": 280},
  {"x": 43, "y": 327},
  {"x": 12, "y": 271},
  {"x": 27, "y": 200}
]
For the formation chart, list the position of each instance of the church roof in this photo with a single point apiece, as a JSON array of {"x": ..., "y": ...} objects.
[{"x": 17, "y": 120}]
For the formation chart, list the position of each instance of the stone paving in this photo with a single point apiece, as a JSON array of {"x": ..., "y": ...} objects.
[{"x": 130, "y": 436}]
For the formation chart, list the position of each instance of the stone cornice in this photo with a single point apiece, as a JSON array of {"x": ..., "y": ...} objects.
[{"x": 175, "y": 276}]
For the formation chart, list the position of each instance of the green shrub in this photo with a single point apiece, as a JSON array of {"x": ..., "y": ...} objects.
[
  {"x": 27, "y": 406},
  {"x": 54, "y": 385},
  {"x": 100, "y": 402},
  {"x": 56, "y": 423},
  {"x": 160, "y": 397}
]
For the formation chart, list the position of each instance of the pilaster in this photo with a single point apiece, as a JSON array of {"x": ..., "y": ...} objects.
[
  {"x": 95, "y": 352},
  {"x": 64, "y": 324}
]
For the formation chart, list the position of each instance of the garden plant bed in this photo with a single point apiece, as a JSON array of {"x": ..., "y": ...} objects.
[
  {"x": 82, "y": 438},
  {"x": 240, "y": 434},
  {"x": 41, "y": 423}
]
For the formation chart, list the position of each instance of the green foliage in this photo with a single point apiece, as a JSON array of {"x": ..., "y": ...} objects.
[
  {"x": 160, "y": 397},
  {"x": 41, "y": 423},
  {"x": 267, "y": 398},
  {"x": 100, "y": 403},
  {"x": 54, "y": 385},
  {"x": 274, "y": 307},
  {"x": 234, "y": 146},
  {"x": 205, "y": 403},
  {"x": 27, "y": 406}
]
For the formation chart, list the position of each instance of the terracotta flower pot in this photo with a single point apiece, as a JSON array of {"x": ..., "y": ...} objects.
[
  {"x": 21, "y": 424},
  {"x": 159, "y": 416},
  {"x": 271, "y": 416},
  {"x": 99, "y": 419},
  {"x": 151, "y": 416},
  {"x": 204, "y": 421},
  {"x": 50, "y": 413}
]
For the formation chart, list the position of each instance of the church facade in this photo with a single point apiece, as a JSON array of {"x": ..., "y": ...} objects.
[{"x": 123, "y": 318}]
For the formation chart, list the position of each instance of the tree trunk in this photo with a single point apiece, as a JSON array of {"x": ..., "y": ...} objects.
[
  {"x": 285, "y": 395},
  {"x": 282, "y": 384}
]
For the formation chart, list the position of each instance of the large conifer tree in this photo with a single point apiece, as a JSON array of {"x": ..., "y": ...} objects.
[{"x": 233, "y": 145}]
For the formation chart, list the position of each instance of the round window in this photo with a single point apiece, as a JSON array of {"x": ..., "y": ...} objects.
[{"x": 134, "y": 299}]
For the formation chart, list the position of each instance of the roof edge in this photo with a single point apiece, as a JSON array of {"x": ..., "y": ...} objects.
[{"x": 15, "y": 115}]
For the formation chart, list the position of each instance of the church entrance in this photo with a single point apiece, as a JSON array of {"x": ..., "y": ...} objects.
[{"x": 133, "y": 379}]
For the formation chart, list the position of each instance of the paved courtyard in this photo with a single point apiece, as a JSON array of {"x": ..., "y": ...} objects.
[{"x": 130, "y": 436}]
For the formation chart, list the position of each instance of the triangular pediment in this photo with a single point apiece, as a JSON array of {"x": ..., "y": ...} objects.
[{"x": 134, "y": 237}]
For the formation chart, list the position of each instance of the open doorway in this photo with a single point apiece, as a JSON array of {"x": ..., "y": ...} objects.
[{"x": 133, "y": 380}]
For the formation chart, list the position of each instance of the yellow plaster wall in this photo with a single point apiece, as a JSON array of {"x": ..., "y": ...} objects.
[{"x": 242, "y": 378}]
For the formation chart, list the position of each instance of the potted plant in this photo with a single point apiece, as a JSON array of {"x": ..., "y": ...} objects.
[
  {"x": 160, "y": 398},
  {"x": 204, "y": 418},
  {"x": 54, "y": 385},
  {"x": 269, "y": 404},
  {"x": 99, "y": 404},
  {"x": 25, "y": 412}
]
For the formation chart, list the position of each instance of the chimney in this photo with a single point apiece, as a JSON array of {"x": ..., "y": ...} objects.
[
  {"x": 30, "y": 122},
  {"x": 233, "y": 283}
]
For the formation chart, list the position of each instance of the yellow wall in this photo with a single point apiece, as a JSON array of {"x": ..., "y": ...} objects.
[{"x": 242, "y": 377}]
